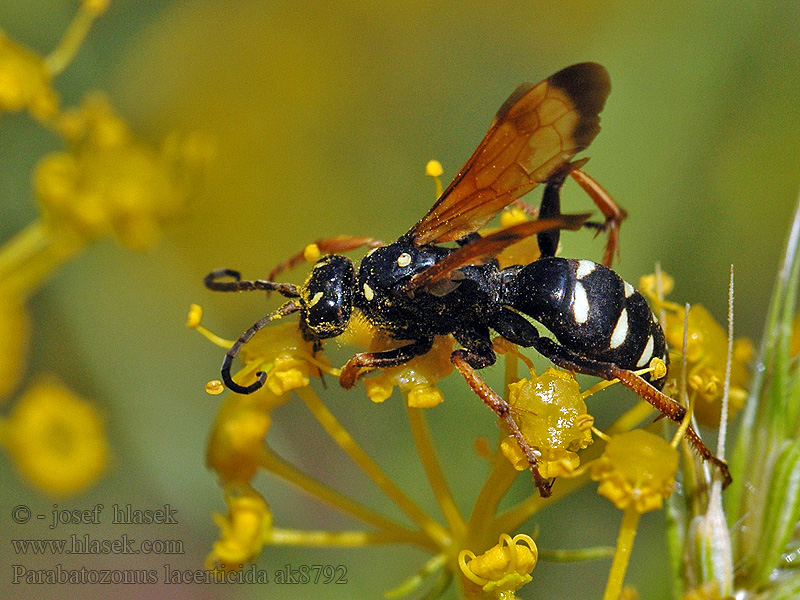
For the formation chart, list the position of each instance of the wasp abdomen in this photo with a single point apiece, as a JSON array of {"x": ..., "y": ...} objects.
[{"x": 589, "y": 309}]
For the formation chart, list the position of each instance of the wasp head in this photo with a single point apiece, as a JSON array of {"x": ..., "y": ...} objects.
[{"x": 326, "y": 298}]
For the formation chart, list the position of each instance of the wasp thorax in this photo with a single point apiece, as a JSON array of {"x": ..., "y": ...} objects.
[
  {"x": 390, "y": 265},
  {"x": 326, "y": 298}
]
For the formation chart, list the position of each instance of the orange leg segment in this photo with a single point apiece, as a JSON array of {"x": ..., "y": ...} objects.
[
  {"x": 612, "y": 211},
  {"x": 674, "y": 411},
  {"x": 501, "y": 408},
  {"x": 334, "y": 245}
]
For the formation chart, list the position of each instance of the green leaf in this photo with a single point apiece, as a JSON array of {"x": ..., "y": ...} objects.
[{"x": 781, "y": 511}]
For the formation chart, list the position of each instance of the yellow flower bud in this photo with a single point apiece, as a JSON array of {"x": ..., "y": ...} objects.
[
  {"x": 552, "y": 416},
  {"x": 501, "y": 570},
  {"x": 243, "y": 532},
  {"x": 237, "y": 437},
  {"x": 636, "y": 469},
  {"x": 433, "y": 168},
  {"x": 416, "y": 378},
  {"x": 25, "y": 82}
]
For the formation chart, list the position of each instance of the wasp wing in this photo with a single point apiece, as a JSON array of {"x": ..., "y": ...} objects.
[
  {"x": 534, "y": 134},
  {"x": 488, "y": 246}
]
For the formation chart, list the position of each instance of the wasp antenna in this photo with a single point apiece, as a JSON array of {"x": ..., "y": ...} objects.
[
  {"x": 284, "y": 310},
  {"x": 212, "y": 282},
  {"x": 235, "y": 387}
]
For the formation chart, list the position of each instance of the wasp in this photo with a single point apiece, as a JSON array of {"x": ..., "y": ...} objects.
[{"x": 418, "y": 287}]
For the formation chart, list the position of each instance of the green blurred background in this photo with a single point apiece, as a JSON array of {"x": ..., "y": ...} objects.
[{"x": 324, "y": 115}]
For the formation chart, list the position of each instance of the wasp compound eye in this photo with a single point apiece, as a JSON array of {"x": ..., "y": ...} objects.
[{"x": 327, "y": 298}]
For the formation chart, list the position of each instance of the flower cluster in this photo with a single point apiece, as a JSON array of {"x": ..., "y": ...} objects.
[
  {"x": 706, "y": 353},
  {"x": 105, "y": 182},
  {"x": 109, "y": 183},
  {"x": 552, "y": 415}
]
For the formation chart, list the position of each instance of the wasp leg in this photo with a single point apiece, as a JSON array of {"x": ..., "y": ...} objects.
[
  {"x": 334, "y": 245},
  {"x": 612, "y": 211},
  {"x": 237, "y": 285},
  {"x": 477, "y": 353},
  {"x": 464, "y": 360},
  {"x": 514, "y": 327},
  {"x": 364, "y": 362},
  {"x": 664, "y": 404},
  {"x": 658, "y": 399},
  {"x": 551, "y": 207}
]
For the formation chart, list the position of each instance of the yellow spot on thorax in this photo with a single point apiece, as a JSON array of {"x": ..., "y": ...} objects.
[{"x": 368, "y": 293}]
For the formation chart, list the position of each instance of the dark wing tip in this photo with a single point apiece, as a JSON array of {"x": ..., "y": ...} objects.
[{"x": 588, "y": 86}]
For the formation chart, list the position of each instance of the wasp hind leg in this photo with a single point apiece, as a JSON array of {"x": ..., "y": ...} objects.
[
  {"x": 551, "y": 207},
  {"x": 612, "y": 211},
  {"x": 668, "y": 407}
]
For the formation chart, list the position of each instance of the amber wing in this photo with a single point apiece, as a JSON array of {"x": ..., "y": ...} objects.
[
  {"x": 535, "y": 133},
  {"x": 489, "y": 246}
]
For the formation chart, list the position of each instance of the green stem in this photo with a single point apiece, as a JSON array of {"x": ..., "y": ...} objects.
[
  {"x": 33, "y": 254},
  {"x": 482, "y": 522},
  {"x": 73, "y": 38},
  {"x": 319, "y": 539},
  {"x": 433, "y": 470},
  {"x": 627, "y": 532},
  {"x": 345, "y": 441},
  {"x": 394, "y": 532}
]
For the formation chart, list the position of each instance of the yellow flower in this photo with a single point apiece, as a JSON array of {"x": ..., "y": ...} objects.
[
  {"x": 25, "y": 81},
  {"x": 110, "y": 183},
  {"x": 243, "y": 533},
  {"x": 500, "y": 571},
  {"x": 281, "y": 352},
  {"x": 56, "y": 439},
  {"x": 278, "y": 350},
  {"x": 552, "y": 416},
  {"x": 237, "y": 438},
  {"x": 637, "y": 469},
  {"x": 706, "y": 355},
  {"x": 14, "y": 339},
  {"x": 416, "y": 379}
]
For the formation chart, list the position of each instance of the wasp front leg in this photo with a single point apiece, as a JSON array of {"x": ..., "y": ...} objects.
[
  {"x": 334, "y": 245},
  {"x": 365, "y": 362}
]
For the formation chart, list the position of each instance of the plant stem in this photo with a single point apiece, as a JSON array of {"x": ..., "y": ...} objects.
[
  {"x": 627, "y": 532},
  {"x": 433, "y": 470},
  {"x": 346, "y": 442}
]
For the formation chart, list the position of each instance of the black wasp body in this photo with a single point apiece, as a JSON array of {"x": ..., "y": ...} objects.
[
  {"x": 418, "y": 288},
  {"x": 595, "y": 315}
]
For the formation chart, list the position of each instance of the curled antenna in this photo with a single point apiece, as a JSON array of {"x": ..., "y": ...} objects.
[
  {"x": 284, "y": 310},
  {"x": 287, "y": 290}
]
